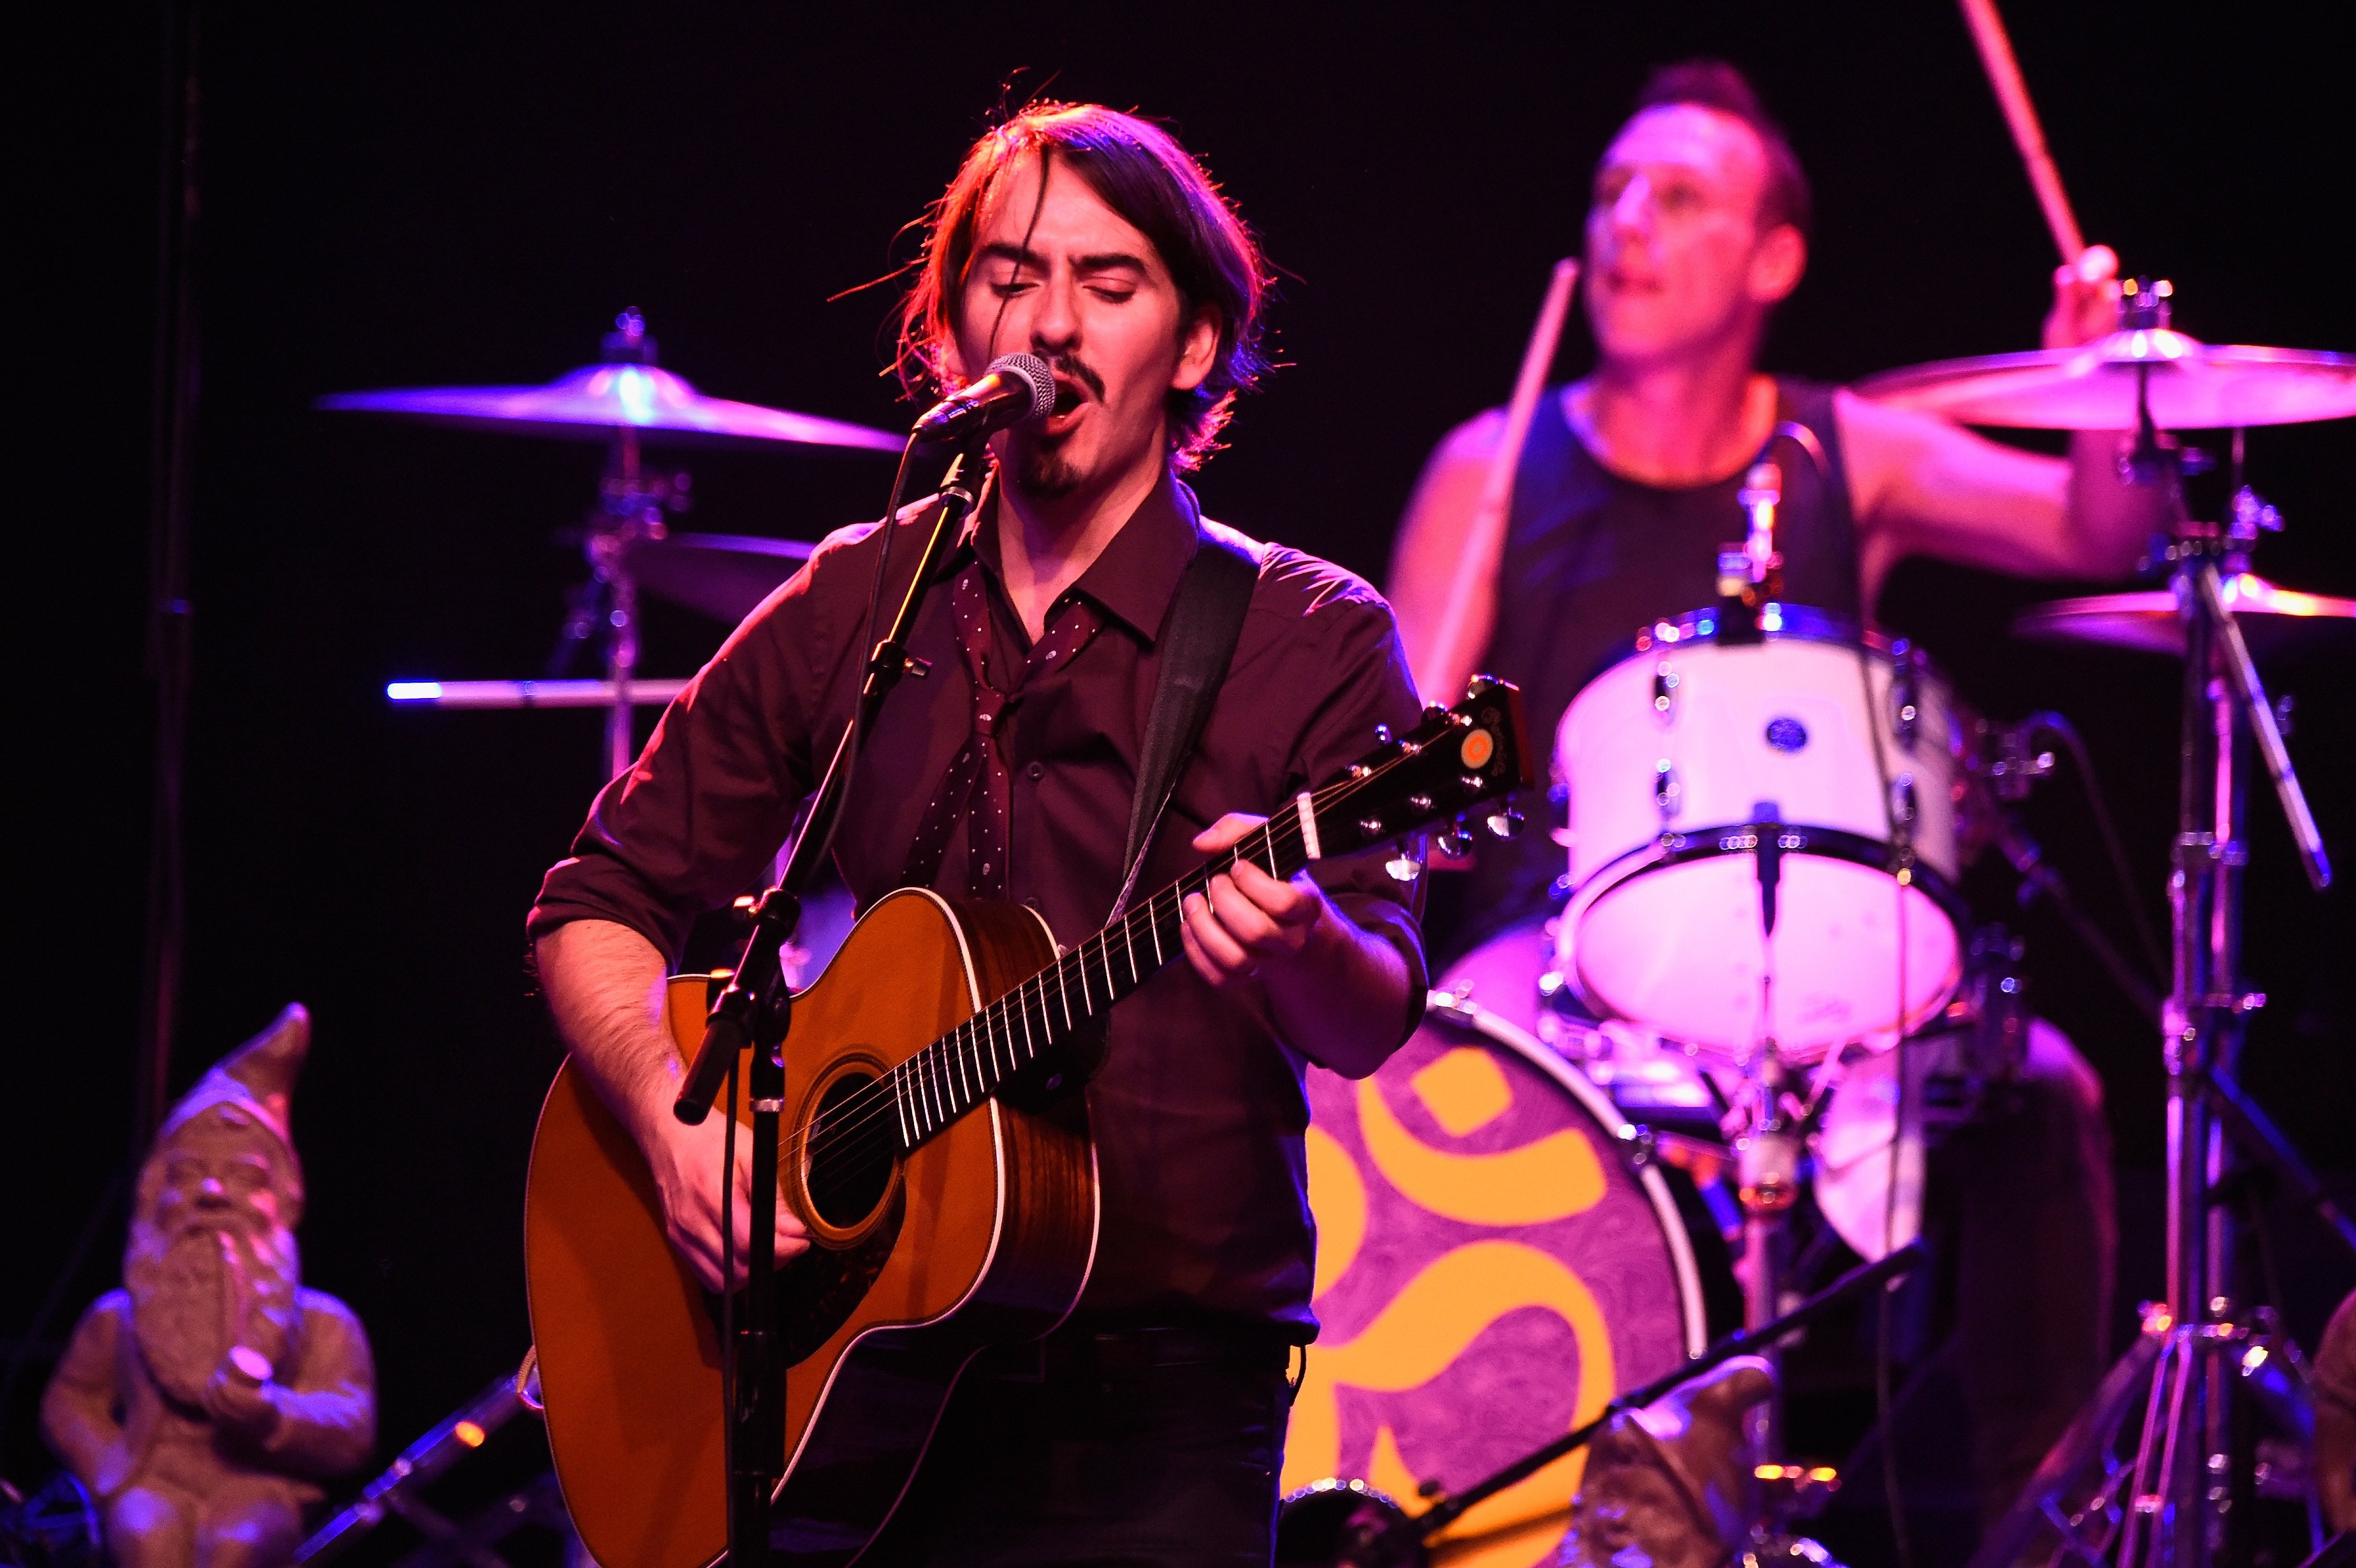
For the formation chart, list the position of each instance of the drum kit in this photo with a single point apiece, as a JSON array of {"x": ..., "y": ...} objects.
[
  {"x": 1768, "y": 812},
  {"x": 1763, "y": 981},
  {"x": 629, "y": 404}
]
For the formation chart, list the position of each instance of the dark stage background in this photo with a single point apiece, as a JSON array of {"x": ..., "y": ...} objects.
[{"x": 418, "y": 194}]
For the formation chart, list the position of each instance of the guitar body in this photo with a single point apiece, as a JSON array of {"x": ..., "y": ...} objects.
[{"x": 983, "y": 1234}]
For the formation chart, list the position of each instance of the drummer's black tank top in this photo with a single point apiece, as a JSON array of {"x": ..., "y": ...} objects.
[{"x": 1590, "y": 560}]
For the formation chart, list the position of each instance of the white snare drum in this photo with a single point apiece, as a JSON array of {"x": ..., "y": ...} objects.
[{"x": 1730, "y": 836}]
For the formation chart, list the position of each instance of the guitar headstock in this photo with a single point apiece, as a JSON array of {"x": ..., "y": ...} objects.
[{"x": 1455, "y": 761}]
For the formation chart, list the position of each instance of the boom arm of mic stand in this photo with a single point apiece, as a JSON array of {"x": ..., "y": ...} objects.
[
  {"x": 2244, "y": 673},
  {"x": 1449, "y": 1510},
  {"x": 753, "y": 986}
]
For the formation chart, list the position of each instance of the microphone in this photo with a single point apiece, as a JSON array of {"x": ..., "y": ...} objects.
[{"x": 1015, "y": 390}]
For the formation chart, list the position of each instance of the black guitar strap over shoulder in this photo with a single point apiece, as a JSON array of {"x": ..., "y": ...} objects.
[{"x": 1197, "y": 643}]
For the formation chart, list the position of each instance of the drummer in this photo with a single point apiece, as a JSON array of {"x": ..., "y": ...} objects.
[{"x": 1697, "y": 227}]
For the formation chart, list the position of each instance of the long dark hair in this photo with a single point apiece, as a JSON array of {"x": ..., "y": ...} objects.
[{"x": 1141, "y": 172}]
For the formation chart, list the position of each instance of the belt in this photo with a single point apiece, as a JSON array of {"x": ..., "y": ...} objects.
[{"x": 1085, "y": 1354}]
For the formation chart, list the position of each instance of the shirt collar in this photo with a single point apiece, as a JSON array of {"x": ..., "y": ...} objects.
[{"x": 1137, "y": 573}]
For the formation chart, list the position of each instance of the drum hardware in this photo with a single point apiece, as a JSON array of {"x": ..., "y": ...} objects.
[
  {"x": 626, "y": 403},
  {"x": 2171, "y": 1500},
  {"x": 1379, "y": 1533}
]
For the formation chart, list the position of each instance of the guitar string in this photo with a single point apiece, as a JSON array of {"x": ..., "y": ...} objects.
[
  {"x": 920, "y": 1074},
  {"x": 845, "y": 1132},
  {"x": 926, "y": 1087},
  {"x": 851, "y": 1125},
  {"x": 929, "y": 1078},
  {"x": 934, "y": 1081}
]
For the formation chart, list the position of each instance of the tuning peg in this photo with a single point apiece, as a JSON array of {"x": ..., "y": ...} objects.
[
  {"x": 1382, "y": 734},
  {"x": 1403, "y": 866},
  {"x": 1455, "y": 841},
  {"x": 1505, "y": 823}
]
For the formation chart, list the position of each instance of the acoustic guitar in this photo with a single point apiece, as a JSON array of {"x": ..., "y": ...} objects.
[{"x": 933, "y": 1145}]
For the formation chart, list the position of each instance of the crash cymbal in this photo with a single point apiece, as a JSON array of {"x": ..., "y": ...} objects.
[
  {"x": 2273, "y": 619},
  {"x": 726, "y": 576},
  {"x": 2193, "y": 385},
  {"x": 596, "y": 400}
]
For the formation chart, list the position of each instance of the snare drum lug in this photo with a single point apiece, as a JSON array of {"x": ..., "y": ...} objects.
[
  {"x": 1905, "y": 696},
  {"x": 1665, "y": 688},
  {"x": 1666, "y": 788},
  {"x": 1902, "y": 798}
]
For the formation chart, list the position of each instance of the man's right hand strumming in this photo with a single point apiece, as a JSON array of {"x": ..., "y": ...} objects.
[{"x": 604, "y": 983}]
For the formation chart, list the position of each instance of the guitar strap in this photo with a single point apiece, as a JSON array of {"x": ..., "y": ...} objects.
[{"x": 1197, "y": 643}]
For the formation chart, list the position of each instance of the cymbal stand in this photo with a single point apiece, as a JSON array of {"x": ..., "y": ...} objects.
[
  {"x": 631, "y": 501},
  {"x": 2173, "y": 1505}
]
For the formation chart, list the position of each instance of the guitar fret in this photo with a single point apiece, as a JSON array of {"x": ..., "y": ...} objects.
[
  {"x": 899, "y": 1107},
  {"x": 1129, "y": 941},
  {"x": 1153, "y": 924},
  {"x": 1081, "y": 954},
  {"x": 1031, "y": 1052},
  {"x": 990, "y": 1041},
  {"x": 1063, "y": 991},
  {"x": 1267, "y": 837}
]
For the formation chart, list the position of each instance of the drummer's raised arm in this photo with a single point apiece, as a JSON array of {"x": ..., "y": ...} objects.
[
  {"x": 1921, "y": 485},
  {"x": 1432, "y": 536}
]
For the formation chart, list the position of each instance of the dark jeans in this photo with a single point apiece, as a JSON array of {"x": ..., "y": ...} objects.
[{"x": 1167, "y": 1455}]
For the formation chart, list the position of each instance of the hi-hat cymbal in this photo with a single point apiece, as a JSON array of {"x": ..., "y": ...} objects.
[
  {"x": 2193, "y": 385},
  {"x": 2273, "y": 619},
  {"x": 726, "y": 576},
  {"x": 596, "y": 400}
]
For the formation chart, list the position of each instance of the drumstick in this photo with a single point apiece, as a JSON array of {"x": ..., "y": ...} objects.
[
  {"x": 1465, "y": 622},
  {"x": 2013, "y": 93}
]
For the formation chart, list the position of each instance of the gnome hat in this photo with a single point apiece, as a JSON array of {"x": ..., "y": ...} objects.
[
  {"x": 257, "y": 1078},
  {"x": 1695, "y": 1433}
]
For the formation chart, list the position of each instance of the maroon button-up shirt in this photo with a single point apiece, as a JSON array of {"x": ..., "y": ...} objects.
[{"x": 1198, "y": 1110}]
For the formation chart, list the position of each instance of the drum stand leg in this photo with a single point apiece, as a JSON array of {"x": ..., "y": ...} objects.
[
  {"x": 2201, "y": 1359},
  {"x": 1768, "y": 1154}
]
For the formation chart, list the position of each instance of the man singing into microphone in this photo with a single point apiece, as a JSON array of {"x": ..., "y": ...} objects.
[{"x": 1148, "y": 1429}]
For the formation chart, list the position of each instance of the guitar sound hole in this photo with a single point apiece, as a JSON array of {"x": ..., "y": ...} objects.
[{"x": 850, "y": 1146}]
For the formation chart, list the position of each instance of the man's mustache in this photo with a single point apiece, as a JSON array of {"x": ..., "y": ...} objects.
[{"x": 1066, "y": 365}]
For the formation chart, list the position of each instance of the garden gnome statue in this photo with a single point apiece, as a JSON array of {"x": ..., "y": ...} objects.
[
  {"x": 1673, "y": 1485},
  {"x": 202, "y": 1404}
]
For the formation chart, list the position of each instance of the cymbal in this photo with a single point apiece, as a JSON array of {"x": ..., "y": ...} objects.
[
  {"x": 595, "y": 400},
  {"x": 2194, "y": 385},
  {"x": 2273, "y": 619},
  {"x": 725, "y": 576}
]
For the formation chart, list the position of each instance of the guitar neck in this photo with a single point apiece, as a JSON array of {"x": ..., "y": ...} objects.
[{"x": 972, "y": 1062}]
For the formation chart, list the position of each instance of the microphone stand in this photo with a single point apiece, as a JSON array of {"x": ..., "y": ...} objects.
[{"x": 755, "y": 1010}]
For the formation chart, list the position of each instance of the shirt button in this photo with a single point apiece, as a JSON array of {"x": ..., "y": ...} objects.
[{"x": 1037, "y": 772}]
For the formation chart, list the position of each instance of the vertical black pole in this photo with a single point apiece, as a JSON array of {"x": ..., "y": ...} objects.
[{"x": 172, "y": 476}]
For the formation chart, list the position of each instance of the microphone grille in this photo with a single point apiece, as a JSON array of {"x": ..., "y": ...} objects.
[{"x": 1035, "y": 373}]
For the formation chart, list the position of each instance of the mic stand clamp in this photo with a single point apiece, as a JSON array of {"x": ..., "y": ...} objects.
[{"x": 755, "y": 1010}]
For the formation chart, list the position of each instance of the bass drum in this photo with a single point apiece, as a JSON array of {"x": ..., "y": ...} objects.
[{"x": 1494, "y": 1266}]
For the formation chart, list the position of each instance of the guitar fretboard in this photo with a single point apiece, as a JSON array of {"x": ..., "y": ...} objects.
[{"x": 937, "y": 1085}]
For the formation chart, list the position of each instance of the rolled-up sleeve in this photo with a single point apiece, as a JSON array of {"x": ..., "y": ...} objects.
[{"x": 713, "y": 794}]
